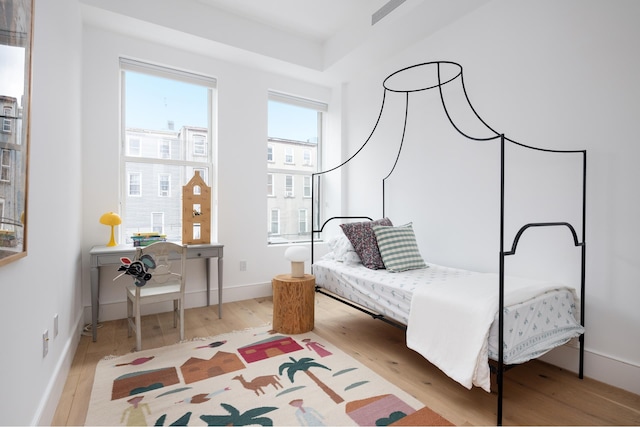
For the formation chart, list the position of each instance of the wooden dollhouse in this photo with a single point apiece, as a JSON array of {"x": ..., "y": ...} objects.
[{"x": 196, "y": 211}]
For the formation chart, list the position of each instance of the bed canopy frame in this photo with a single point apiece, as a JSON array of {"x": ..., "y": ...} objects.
[{"x": 445, "y": 73}]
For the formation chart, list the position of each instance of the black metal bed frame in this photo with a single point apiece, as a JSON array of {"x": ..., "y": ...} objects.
[{"x": 318, "y": 227}]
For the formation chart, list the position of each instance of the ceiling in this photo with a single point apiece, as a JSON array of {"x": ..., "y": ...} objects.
[
  {"x": 312, "y": 19},
  {"x": 323, "y": 41}
]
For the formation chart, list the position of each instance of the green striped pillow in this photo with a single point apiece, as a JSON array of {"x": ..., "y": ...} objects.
[{"x": 398, "y": 248}]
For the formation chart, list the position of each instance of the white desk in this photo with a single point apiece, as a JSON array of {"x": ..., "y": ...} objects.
[{"x": 103, "y": 255}]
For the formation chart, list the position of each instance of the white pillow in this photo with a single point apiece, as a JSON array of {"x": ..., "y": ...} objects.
[{"x": 343, "y": 250}]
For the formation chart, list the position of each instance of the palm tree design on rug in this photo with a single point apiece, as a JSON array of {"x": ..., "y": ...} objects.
[
  {"x": 235, "y": 418},
  {"x": 304, "y": 365}
]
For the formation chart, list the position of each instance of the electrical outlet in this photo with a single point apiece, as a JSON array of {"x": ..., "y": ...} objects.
[
  {"x": 45, "y": 342},
  {"x": 55, "y": 325},
  {"x": 243, "y": 265}
]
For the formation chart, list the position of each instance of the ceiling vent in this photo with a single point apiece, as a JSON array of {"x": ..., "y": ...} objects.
[{"x": 389, "y": 7}]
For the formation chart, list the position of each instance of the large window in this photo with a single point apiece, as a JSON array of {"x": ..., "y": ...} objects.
[
  {"x": 166, "y": 136},
  {"x": 293, "y": 153}
]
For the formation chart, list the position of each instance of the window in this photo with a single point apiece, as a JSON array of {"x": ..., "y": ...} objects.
[
  {"x": 288, "y": 186},
  {"x": 302, "y": 221},
  {"x": 167, "y": 135},
  {"x": 295, "y": 129},
  {"x": 270, "y": 184},
  {"x": 274, "y": 226},
  {"x": 199, "y": 145},
  {"x": 5, "y": 165},
  {"x": 164, "y": 149},
  {"x": 157, "y": 222},
  {"x": 306, "y": 186},
  {"x": 134, "y": 147},
  {"x": 164, "y": 185},
  {"x": 134, "y": 185},
  {"x": 288, "y": 155},
  {"x": 6, "y": 121}
]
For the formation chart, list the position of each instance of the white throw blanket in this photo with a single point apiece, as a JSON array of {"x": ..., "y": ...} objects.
[{"x": 449, "y": 322}]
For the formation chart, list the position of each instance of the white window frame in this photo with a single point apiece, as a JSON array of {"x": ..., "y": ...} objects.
[
  {"x": 303, "y": 221},
  {"x": 6, "y": 121},
  {"x": 306, "y": 186},
  {"x": 289, "y": 186},
  {"x": 270, "y": 185},
  {"x": 5, "y": 165},
  {"x": 274, "y": 223},
  {"x": 186, "y": 165},
  {"x": 134, "y": 148},
  {"x": 129, "y": 184},
  {"x": 289, "y": 156},
  {"x": 199, "y": 145},
  {"x": 270, "y": 158},
  {"x": 154, "y": 222},
  {"x": 161, "y": 192}
]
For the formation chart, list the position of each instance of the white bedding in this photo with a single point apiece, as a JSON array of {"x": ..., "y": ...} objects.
[{"x": 448, "y": 329}]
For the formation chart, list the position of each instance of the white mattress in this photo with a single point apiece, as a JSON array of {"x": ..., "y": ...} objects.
[{"x": 532, "y": 327}]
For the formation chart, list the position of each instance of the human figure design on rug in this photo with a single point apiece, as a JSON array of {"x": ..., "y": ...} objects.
[
  {"x": 257, "y": 383},
  {"x": 317, "y": 347},
  {"x": 306, "y": 416},
  {"x": 135, "y": 413}
]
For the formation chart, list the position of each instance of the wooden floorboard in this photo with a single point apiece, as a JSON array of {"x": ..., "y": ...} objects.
[{"x": 536, "y": 393}]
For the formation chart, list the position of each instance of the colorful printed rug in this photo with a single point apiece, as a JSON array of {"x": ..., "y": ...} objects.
[{"x": 250, "y": 377}]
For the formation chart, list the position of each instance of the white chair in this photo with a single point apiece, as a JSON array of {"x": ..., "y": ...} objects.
[{"x": 166, "y": 284}]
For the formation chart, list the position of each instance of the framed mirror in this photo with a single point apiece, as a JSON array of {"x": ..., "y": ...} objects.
[{"x": 16, "y": 30}]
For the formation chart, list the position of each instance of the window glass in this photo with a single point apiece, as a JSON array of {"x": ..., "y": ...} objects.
[
  {"x": 166, "y": 137},
  {"x": 294, "y": 142}
]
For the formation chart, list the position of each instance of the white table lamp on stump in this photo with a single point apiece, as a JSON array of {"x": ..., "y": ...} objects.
[{"x": 297, "y": 255}]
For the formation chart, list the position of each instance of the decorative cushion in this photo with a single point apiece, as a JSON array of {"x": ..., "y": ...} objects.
[
  {"x": 342, "y": 250},
  {"x": 363, "y": 239},
  {"x": 398, "y": 248}
]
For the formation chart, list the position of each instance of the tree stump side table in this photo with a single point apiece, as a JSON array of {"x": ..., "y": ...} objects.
[{"x": 293, "y": 303}]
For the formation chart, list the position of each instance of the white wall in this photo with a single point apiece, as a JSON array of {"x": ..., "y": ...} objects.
[
  {"x": 240, "y": 159},
  {"x": 47, "y": 281},
  {"x": 559, "y": 74}
]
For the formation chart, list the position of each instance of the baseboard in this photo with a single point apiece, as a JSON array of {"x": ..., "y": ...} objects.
[
  {"x": 49, "y": 402},
  {"x": 597, "y": 366}
]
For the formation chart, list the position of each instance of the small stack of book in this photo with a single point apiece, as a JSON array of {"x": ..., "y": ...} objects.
[{"x": 145, "y": 239}]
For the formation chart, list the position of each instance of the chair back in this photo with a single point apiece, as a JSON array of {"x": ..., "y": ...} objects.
[{"x": 170, "y": 263}]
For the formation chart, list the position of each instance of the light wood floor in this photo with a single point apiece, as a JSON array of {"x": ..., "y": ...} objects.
[{"x": 535, "y": 393}]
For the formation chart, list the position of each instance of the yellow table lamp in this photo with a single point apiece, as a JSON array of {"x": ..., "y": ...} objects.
[{"x": 112, "y": 219}]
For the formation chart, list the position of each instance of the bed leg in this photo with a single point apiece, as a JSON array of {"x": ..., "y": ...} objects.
[{"x": 499, "y": 380}]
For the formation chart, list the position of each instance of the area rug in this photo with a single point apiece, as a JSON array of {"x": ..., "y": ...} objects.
[{"x": 252, "y": 377}]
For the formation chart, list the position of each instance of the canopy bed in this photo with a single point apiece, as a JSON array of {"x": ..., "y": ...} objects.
[{"x": 457, "y": 318}]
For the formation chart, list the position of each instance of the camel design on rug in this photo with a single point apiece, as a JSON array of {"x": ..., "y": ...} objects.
[{"x": 257, "y": 383}]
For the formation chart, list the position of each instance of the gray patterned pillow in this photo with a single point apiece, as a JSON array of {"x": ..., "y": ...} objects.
[
  {"x": 361, "y": 236},
  {"x": 398, "y": 248}
]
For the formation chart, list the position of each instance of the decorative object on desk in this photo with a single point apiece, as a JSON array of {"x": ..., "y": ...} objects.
[
  {"x": 196, "y": 211},
  {"x": 111, "y": 219},
  {"x": 255, "y": 377},
  {"x": 297, "y": 255}
]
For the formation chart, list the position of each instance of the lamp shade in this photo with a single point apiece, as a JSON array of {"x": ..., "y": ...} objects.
[
  {"x": 296, "y": 254},
  {"x": 111, "y": 219}
]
